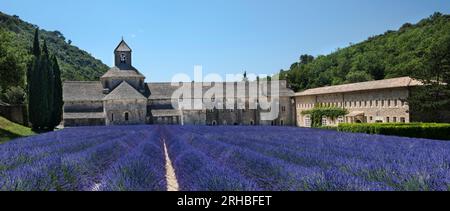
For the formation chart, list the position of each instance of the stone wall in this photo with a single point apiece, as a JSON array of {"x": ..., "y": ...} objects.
[
  {"x": 14, "y": 113},
  {"x": 83, "y": 106},
  {"x": 118, "y": 110},
  {"x": 83, "y": 122}
]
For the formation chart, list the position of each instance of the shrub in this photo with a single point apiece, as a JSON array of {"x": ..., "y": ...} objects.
[
  {"x": 318, "y": 112},
  {"x": 413, "y": 130}
]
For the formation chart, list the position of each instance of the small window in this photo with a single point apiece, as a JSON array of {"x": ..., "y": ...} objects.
[
  {"x": 127, "y": 116},
  {"x": 214, "y": 123},
  {"x": 282, "y": 122},
  {"x": 371, "y": 118},
  {"x": 112, "y": 117},
  {"x": 324, "y": 121},
  {"x": 402, "y": 120},
  {"x": 308, "y": 121},
  {"x": 394, "y": 119},
  {"x": 252, "y": 122},
  {"x": 388, "y": 119},
  {"x": 340, "y": 119}
]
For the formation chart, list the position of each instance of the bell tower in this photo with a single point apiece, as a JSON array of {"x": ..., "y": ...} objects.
[{"x": 122, "y": 56}]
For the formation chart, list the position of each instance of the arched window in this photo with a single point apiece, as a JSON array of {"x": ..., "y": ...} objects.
[
  {"x": 127, "y": 116},
  {"x": 214, "y": 123}
]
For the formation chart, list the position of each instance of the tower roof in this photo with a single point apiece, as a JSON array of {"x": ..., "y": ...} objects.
[
  {"x": 123, "y": 46},
  {"x": 124, "y": 92}
]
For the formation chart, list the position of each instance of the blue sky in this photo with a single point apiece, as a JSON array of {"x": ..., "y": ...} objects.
[{"x": 224, "y": 36}]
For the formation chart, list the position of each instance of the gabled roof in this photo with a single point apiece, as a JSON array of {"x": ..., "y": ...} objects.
[
  {"x": 370, "y": 85},
  {"x": 123, "y": 46},
  {"x": 116, "y": 72},
  {"x": 82, "y": 91},
  {"x": 124, "y": 92},
  {"x": 166, "y": 90}
]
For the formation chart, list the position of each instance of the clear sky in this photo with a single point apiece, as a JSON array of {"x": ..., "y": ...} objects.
[{"x": 224, "y": 36}]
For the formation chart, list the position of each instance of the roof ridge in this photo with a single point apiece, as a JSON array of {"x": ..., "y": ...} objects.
[{"x": 405, "y": 81}]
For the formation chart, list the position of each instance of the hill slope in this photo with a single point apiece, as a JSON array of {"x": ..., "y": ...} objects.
[
  {"x": 10, "y": 130},
  {"x": 75, "y": 63},
  {"x": 393, "y": 54}
]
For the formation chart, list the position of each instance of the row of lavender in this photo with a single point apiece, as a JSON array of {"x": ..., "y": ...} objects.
[
  {"x": 278, "y": 158},
  {"x": 103, "y": 158}
]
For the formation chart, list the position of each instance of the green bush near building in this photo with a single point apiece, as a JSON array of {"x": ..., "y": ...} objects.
[{"x": 412, "y": 130}]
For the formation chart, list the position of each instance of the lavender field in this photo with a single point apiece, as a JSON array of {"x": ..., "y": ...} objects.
[{"x": 135, "y": 158}]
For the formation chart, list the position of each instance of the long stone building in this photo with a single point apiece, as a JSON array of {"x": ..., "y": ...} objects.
[
  {"x": 121, "y": 96},
  {"x": 382, "y": 101}
]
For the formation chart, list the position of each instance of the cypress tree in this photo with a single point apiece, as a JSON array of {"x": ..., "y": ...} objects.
[
  {"x": 32, "y": 82},
  {"x": 44, "y": 88},
  {"x": 57, "y": 93},
  {"x": 45, "y": 107}
]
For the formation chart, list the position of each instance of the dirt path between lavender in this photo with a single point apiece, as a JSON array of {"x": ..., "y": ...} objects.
[{"x": 171, "y": 178}]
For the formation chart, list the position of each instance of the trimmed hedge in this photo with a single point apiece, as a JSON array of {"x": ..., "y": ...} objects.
[{"x": 413, "y": 130}]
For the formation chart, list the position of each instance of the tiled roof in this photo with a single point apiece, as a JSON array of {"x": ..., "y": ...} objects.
[
  {"x": 87, "y": 115},
  {"x": 370, "y": 85},
  {"x": 123, "y": 46},
  {"x": 82, "y": 91},
  {"x": 124, "y": 92},
  {"x": 93, "y": 91},
  {"x": 166, "y": 90},
  {"x": 117, "y": 72}
]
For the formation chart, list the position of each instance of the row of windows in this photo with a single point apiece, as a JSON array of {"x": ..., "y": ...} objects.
[
  {"x": 361, "y": 104},
  {"x": 390, "y": 119},
  {"x": 341, "y": 119},
  {"x": 283, "y": 109},
  {"x": 252, "y": 122}
]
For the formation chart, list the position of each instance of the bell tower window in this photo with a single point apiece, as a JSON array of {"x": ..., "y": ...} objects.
[{"x": 123, "y": 58}]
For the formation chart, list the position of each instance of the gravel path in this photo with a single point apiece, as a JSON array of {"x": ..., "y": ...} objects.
[{"x": 171, "y": 179}]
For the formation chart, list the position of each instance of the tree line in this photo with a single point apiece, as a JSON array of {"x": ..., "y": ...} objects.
[
  {"x": 44, "y": 88},
  {"x": 421, "y": 51}
]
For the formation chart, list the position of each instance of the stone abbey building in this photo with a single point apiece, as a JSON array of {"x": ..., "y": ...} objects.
[{"x": 122, "y": 97}]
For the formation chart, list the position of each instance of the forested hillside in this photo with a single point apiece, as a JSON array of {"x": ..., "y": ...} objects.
[
  {"x": 393, "y": 54},
  {"x": 75, "y": 63}
]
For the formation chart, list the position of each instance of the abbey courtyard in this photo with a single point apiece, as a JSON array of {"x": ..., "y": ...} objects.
[{"x": 122, "y": 97}]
